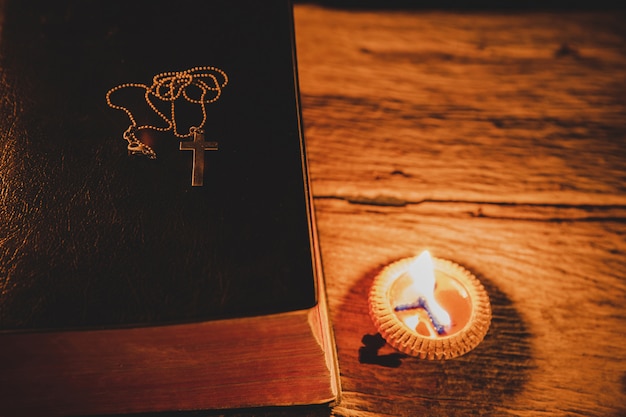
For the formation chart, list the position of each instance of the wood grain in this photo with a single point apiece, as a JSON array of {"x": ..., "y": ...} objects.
[
  {"x": 510, "y": 108},
  {"x": 496, "y": 140}
]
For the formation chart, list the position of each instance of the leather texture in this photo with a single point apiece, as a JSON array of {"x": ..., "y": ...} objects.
[{"x": 92, "y": 237}]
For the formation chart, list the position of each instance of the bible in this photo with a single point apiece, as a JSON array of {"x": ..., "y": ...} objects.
[{"x": 158, "y": 249}]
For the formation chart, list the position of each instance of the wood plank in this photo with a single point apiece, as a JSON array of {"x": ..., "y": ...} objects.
[
  {"x": 495, "y": 140},
  {"x": 524, "y": 108},
  {"x": 557, "y": 290}
]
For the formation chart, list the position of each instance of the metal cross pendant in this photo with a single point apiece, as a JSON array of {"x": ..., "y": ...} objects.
[{"x": 198, "y": 146}]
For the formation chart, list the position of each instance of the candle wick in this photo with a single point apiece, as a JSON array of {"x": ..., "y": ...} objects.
[{"x": 422, "y": 303}]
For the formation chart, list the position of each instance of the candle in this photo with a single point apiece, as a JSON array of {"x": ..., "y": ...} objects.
[{"x": 430, "y": 308}]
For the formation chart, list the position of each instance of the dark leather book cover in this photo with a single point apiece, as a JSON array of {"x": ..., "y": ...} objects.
[
  {"x": 92, "y": 236},
  {"x": 157, "y": 245}
]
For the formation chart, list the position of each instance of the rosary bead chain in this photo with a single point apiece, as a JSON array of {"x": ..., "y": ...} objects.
[{"x": 170, "y": 86}]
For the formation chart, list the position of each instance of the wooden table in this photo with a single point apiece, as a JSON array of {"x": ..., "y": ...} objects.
[{"x": 496, "y": 140}]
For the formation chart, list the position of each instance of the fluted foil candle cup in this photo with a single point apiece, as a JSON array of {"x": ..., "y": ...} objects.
[{"x": 429, "y": 307}]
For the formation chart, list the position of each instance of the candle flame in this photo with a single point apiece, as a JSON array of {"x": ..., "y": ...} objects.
[
  {"x": 412, "y": 321},
  {"x": 422, "y": 273}
]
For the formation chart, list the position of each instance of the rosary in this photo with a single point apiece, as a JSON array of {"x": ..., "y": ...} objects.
[{"x": 169, "y": 87}]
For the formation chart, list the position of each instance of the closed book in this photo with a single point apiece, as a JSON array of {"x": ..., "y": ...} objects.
[{"x": 157, "y": 242}]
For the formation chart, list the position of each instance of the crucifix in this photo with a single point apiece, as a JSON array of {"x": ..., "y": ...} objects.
[{"x": 198, "y": 146}]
